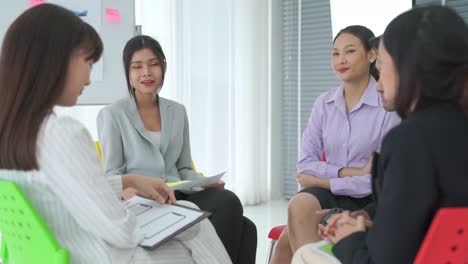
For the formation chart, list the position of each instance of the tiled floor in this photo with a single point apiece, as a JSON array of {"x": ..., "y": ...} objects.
[{"x": 265, "y": 216}]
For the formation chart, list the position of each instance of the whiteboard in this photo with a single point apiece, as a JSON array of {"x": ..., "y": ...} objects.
[{"x": 112, "y": 85}]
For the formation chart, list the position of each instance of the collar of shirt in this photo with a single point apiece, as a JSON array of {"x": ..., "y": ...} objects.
[{"x": 370, "y": 97}]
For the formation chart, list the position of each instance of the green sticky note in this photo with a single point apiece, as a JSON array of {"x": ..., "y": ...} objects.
[{"x": 327, "y": 248}]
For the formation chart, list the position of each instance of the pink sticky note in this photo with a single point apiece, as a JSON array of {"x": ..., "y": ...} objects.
[
  {"x": 112, "y": 15},
  {"x": 35, "y": 2}
]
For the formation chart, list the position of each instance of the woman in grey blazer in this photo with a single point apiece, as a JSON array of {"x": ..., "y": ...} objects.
[{"x": 149, "y": 135}]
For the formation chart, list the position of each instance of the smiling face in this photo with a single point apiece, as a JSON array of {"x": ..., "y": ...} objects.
[
  {"x": 78, "y": 76},
  {"x": 350, "y": 61},
  {"x": 388, "y": 82},
  {"x": 145, "y": 73}
]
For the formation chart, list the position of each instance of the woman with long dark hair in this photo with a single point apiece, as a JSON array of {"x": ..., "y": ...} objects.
[
  {"x": 45, "y": 61},
  {"x": 423, "y": 166}
]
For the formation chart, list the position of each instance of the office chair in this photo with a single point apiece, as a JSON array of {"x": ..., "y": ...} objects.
[
  {"x": 25, "y": 237},
  {"x": 447, "y": 238}
]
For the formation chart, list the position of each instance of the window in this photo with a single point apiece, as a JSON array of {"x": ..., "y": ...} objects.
[{"x": 308, "y": 30}]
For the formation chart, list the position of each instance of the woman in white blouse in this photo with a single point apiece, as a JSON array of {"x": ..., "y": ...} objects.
[{"x": 45, "y": 61}]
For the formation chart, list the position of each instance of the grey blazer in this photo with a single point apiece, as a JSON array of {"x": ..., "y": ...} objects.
[{"x": 128, "y": 148}]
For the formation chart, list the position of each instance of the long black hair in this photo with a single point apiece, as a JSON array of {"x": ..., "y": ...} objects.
[
  {"x": 429, "y": 47},
  {"x": 34, "y": 60}
]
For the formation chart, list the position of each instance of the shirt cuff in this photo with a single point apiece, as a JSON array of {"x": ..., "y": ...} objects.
[
  {"x": 116, "y": 183},
  {"x": 332, "y": 171}
]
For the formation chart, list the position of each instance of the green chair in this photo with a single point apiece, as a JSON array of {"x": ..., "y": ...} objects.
[{"x": 25, "y": 238}]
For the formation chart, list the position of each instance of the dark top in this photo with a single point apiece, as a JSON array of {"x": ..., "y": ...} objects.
[{"x": 423, "y": 166}]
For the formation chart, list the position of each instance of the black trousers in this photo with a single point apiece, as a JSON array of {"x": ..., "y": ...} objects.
[{"x": 237, "y": 232}]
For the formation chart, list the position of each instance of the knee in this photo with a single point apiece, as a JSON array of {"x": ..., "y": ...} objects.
[
  {"x": 302, "y": 202},
  {"x": 228, "y": 199},
  {"x": 231, "y": 197},
  {"x": 249, "y": 227},
  {"x": 283, "y": 240}
]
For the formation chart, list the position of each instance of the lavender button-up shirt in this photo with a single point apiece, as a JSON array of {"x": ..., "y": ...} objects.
[{"x": 347, "y": 139}]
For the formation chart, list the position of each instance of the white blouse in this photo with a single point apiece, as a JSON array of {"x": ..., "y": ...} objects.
[
  {"x": 156, "y": 137},
  {"x": 81, "y": 206}
]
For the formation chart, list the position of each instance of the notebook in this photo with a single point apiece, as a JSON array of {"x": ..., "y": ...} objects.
[{"x": 161, "y": 222}]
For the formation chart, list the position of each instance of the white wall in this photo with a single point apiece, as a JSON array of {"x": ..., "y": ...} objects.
[
  {"x": 373, "y": 14},
  {"x": 86, "y": 114}
]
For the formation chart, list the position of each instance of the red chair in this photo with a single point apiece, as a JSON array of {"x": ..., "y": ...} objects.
[
  {"x": 447, "y": 238},
  {"x": 274, "y": 234}
]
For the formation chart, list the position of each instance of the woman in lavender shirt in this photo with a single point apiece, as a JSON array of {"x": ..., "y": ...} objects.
[{"x": 347, "y": 125}]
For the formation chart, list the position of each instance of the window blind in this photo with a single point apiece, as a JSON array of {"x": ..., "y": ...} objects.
[
  {"x": 460, "y": 6},
  {"x": 307, "y": 42}
]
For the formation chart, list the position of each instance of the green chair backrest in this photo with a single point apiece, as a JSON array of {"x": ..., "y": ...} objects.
[{"x": 24, "y": 235}]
